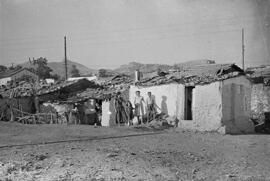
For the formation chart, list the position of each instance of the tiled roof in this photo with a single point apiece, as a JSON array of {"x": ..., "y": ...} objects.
[
  {"x": 10, "y": 73},
  {"x": 201, "y": 74},
  {"x": 262, "y": 71},
  {"x": 70, "y": 86},
  {"x": 259, "y": 74},
  {"x": 100, "y": 94},
  {"x": 27, "y": 89}
]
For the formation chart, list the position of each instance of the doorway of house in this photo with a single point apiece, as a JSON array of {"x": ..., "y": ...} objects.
[{"x": 188, "y": 102}]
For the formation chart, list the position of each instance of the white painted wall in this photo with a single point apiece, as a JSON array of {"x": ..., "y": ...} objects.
[
  {"x": 79, "y": 78},
  {"x": 168, "y": 97},
  {"x": 236, "y": 101},
  {"x": 106, "y": 113},
  {"x": 4, "y": 81},
  {"x": 207, "y": 109}
]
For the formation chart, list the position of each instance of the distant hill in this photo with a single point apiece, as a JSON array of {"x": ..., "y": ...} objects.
[
  {"x": 130, "y": 68},
  {"x": 58, "y": 68},
  {"x": 193, "y": 63}
]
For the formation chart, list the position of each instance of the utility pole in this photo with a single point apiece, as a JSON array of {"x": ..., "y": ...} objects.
[
  {"x": 243, "y": 50},
  {"x": 65, "y": 43}
]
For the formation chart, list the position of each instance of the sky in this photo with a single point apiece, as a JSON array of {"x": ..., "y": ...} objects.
[{"x": 109, "y": 33}]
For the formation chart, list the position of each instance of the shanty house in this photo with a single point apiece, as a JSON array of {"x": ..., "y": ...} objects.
[
  {"x": 260, "y": 94},
  {"x": 206, "y": 98},
  {"x": 105, "y": 97},
  {"x": 54, "y": 99},
  {"x": 13, "y": 75}
]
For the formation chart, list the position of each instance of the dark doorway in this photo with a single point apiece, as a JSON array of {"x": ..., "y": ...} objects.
[{"x": 188, "y": 102}]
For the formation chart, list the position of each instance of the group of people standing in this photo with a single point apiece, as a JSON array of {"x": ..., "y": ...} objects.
[
  {"x": 124, "y": 110},
  {"x": 125, "y": 113}
]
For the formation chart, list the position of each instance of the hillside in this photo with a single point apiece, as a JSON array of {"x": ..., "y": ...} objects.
[
  {"x": 58, "y": 67},
  {"x": 130, "y": 68}
]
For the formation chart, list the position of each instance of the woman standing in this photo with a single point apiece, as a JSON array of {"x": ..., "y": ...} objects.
[
  {"x": 90, "y": 112},
  {"x": 138, "y": 102}
]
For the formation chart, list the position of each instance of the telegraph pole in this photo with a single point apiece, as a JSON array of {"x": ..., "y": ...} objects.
[
  {"x": 65, "y": 43},
  {"x": 243, "y": 50}
]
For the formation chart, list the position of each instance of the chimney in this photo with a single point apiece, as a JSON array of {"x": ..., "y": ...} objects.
[{"x": 137, "y": 75}]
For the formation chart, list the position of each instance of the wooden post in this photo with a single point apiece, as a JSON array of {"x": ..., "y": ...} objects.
[
  {"x": 65, "y": 48},
  {"x": 11, "y": 114},
  {"x": 243, "y": 50},
  {"x": 51, "y": 121}
]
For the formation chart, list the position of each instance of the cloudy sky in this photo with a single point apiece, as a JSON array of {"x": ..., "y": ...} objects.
[{"x": 108, "y": 33}]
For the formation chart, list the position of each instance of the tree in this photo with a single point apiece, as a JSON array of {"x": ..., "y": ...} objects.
[
  {"x": 55, "y": 77},
  {"x": 41, "y": 68},
  {"x": 74, "y": 71},
  {"x": 3, "y": 68},
  {"x": 26, "y": 78},
  {"x": 17, "y": 67},
  {"x": 102, "y": 72}
]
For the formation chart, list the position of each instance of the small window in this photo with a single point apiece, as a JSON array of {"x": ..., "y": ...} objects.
[{"x": 188, "y": 102}]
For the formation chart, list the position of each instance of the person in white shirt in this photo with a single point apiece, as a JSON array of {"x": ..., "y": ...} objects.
[{"x": 138, "y": 102}]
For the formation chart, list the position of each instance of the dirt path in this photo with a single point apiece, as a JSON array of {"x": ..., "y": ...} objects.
[{"x": 172, "y": 155}]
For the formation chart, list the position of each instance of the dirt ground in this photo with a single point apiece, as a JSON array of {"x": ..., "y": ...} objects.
[{"x": 136, "y": 153}]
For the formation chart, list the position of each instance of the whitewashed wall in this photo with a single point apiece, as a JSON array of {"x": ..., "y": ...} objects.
[
  {"x": 4, "y": 81},
  {"x": 106, "y": 113},
  {"x": 207, "y": 109},
  {"x": 168, "y": 97}
]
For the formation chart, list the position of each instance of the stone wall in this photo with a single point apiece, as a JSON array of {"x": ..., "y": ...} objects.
[{"x": 260, "y": 101}]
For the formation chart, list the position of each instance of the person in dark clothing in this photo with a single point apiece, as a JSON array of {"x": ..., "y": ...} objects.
[
  {"x": 129, "y": 111},
  {"x": 90, "y": 112},
  {"x": 120, "y": 114}
]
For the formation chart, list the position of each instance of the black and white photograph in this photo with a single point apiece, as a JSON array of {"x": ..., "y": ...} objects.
[{"x": 134, "y": 90}]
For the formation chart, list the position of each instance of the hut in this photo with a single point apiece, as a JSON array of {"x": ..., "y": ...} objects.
[
  {"x": 17, "y": 101},
  {"x": 53, "y": 99},
  {"x": 104, "y": 97},
  {"x": 214, "y": 97}
]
